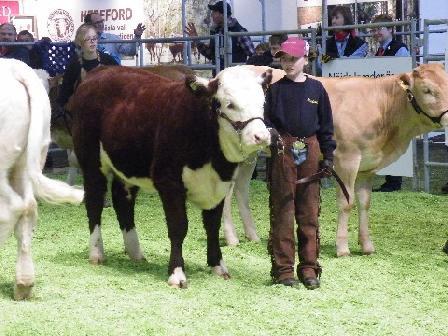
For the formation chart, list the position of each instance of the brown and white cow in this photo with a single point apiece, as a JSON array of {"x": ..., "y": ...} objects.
[
  {"x": 374, "y": 123},
  {"x": 24, "y": 139},
  {"x": 183, "y": 141}
]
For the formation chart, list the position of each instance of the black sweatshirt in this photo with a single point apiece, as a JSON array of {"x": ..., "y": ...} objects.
[
  {"x": 302, "y": 110},
  {"x": 73, "y": 74}
]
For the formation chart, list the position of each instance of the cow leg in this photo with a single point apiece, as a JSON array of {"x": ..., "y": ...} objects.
[
  {"x": 242, "y": 184},
  {"x": 347, "y": 170},
  {"x": 176, "y": 217},
  {"x": 212, "y": 221},
  {"x": 11, "y": 207},
  {"x": 123, "y": 199},
  {"x": 24, "y": 232},
  {"x": 95, "y": 187},
  {"x": 229, "y": 227},
  {"x": 73, "y": 167},
  {"x": 363, "y": 189}
]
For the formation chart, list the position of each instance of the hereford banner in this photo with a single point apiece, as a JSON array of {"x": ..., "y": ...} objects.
[
  {"x": 59, "y": 19},
  {"x": 8, "y": 9},
  {"x": 375, "y": 67}
]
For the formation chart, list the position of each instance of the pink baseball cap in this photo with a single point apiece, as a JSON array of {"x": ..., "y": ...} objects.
[{"x": 293, "y": 46}]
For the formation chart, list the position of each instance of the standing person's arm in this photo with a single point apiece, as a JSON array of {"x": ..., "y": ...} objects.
[
  {"x": 130, "y": 49},
  {"x": 71, "y": 75},
  {"x": 361, "y": 51},
  {"x": 204, "y": 49},
  {"x": 247, "y": 45},
  {"x": 326, "y": 129}
]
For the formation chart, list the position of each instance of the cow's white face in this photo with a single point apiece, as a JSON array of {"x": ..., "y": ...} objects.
[
  {"x": 430, "y": 86},
  {"x": 241, "y": 98}
]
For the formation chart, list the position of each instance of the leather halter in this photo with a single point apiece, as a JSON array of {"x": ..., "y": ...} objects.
[
  {"x": 238, "y": 126},
  {"x": 411, "y": 98}
]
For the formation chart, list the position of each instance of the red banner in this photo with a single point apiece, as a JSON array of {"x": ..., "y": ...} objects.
[{"x": 8, "y": 9}]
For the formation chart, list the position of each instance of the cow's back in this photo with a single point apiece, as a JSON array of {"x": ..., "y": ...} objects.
[{"x": 138, "y": 117}]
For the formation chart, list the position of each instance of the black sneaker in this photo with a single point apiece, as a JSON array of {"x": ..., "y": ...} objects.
[
  {"x": 445, "y": 248},
  {"x": 387, "y": 188}
]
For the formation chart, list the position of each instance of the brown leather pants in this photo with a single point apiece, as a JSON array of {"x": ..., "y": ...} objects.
[{"x": 289, "y": 201}]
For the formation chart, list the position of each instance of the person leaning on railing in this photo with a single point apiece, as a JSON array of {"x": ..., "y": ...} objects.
[
  {"x": 267, "y": 58},
  {"x": 388, "y": 46},
  {"x": 344, "y": 42},
  {"x": 113, "y": 49},
  {"x": 242, "y": 46},
  {"x": 8, "y": 33}
]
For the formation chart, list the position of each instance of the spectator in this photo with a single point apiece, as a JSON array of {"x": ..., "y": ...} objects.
[
  {"x": 388, "y": 46},
  {"x": 86, "y": 42},
  {"x": 299, "y": 108},
  {"x": 267, "y": 58},
  {"x": 344, "y": 42},
  {"x": 8, "y": 33},
  {"x": 242, "y": 46},
  {"x": 113, "y": 49},
  {"x": 35, "y": 58}
]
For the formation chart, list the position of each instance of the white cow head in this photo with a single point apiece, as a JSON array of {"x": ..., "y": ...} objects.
[
  {"x": 429, "y": 85},
  {"x": 240, "y": 106}
]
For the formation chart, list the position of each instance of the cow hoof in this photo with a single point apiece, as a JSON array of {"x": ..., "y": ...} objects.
[
  {"x": 178, "y": 279},
  {"x": 96, "y": 259},
  {"x": 221, "y": 270},
  {"x": 22, "y": 292},
  {"x": 342, "y": 252},
  {"x": 136, "y": 256},
  {"x": 253, "y": 238},
  {"x": 232, "y": 241},
  {"x": 367, "y": 247}
]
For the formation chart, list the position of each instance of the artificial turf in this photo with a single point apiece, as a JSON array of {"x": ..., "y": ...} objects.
[{"x": 400, "y": 290}]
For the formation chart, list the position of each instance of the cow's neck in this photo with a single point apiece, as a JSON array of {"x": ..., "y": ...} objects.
[
  {"x": 400, "y": 113},
  {"x": 230, "y": 144}
]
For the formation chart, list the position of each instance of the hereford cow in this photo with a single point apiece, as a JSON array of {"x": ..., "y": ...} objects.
[
  {"x": 24, "y": 139},
  {"x": 368, "y": 139},
  {"x": 183, "y": 141}
]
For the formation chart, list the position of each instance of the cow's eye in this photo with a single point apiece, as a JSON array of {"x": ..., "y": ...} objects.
[
  {"x": 426, "y": 91},
  {"x": 230, "y": 106}
]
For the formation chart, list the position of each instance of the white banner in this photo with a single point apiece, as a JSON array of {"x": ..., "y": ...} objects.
[
  {"x": 375, "y": 67},
  {"x": 59, "y": 19}
]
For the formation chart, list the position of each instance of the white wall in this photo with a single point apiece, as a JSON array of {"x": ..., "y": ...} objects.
[
  {"x": 280, "y": 14},
  {"x": 435, "y": 9}
]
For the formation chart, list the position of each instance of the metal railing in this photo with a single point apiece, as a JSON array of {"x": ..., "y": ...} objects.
[{"x": 427, "y": 163}]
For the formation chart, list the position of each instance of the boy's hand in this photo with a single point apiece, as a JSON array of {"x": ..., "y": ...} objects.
[{"x": 327, "y": 166}]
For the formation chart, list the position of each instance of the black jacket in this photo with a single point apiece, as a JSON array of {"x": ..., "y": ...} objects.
[{"x": 353, "y": 44}]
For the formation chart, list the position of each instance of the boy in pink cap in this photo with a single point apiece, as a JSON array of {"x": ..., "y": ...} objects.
[{"x": 299, "y": 108}]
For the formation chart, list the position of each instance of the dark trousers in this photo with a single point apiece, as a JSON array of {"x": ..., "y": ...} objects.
[
  {"x": 290, "y": 203},
  {"x": 394, "y": 181}
]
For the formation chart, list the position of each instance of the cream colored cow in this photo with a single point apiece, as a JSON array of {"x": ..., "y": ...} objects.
[
  {"x": 374, "y": 123},
  {"x": 24, "y": 140}
]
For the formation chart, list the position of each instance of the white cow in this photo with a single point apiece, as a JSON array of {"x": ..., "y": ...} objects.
[{"x": 24, "y": 139}]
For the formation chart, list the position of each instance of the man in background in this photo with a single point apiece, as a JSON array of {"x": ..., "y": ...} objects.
[
  {"x": 242, "y": 46},
  {"x": 113, "y": 49},
  {"x": 8, "y": 33}
]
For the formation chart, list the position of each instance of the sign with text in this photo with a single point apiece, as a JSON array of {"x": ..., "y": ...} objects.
[
  {"x": 375, "y": 67},
  {"x": 372, "y": 67},
  {"x": 7, "y": 10},
  {"x": 59, "y": 20}
]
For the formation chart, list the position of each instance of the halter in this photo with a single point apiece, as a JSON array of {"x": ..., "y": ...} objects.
[
  {"x": 411, "y": 98},
  {"x": 238, "y": 126}
]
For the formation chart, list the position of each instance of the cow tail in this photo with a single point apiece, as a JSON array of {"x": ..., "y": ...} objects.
[{"x": 49, "y": 190}]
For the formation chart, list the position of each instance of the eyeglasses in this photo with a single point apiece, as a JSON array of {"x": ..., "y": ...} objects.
[
  {"x": 91, "y": 39},
  {"x": 98, "y": 22}
]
